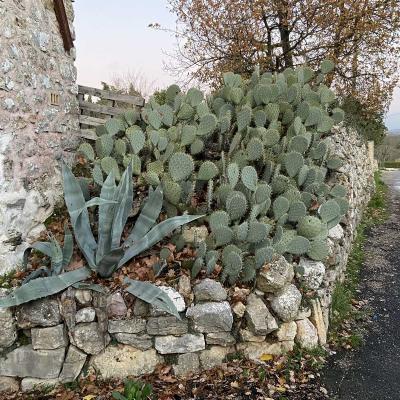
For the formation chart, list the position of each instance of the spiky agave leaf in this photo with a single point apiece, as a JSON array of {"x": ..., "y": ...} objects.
[
  {"x": 152, "y": 294},
  {"x": 156, "y": 234},
  {"x": 43, "y": 287}
]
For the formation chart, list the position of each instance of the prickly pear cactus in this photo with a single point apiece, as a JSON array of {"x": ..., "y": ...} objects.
[{"x": 253, "y": 154}]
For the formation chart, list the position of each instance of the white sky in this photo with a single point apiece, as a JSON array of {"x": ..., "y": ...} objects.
[{"x": 113, "y": 38}]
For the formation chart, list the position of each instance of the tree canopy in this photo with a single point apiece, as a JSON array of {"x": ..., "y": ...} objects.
[{"x": 361, "y": 36}]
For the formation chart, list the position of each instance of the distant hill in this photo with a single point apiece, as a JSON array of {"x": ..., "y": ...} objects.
[{"x": 394, "y": 132}]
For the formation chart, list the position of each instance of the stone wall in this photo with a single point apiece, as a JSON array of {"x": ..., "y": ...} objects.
[
  {"x": 33, "y": 132},
  {"x": 117, "y": 336}
]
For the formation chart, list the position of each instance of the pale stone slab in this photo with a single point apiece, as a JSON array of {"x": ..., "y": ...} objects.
[
  {"x": 134, "y": 325},
  {"x": 122, "y": 361},
  {"x": 8, "y": 384},
  {"x": 275, "y": 275},
  {"x": 49, "y": 338},
  {"x": 258, "y": 317},
  {"x": 27, "y": 362},
  {"x": 88, "y": 338},
  {"x": 214, "y": 356},
  {"x": 307, "y": 335},
  {"x": 140, "y": 341},
  {"x": 187, "y": 364},
  {"x": 43, "y": 312},
  {"x": 28, "y": 384},
  {"x": 8, "y": 330},
  {"x": 209, "y": 290},
  {"x": 286, "y": 303},
  {"x": 188, "y": 343},
  {"x": 166, "y": 325},
  {"x": 73, "y": 364}
]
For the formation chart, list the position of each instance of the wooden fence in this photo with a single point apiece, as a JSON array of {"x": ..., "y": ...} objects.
[{"x": 111, "y": 104}]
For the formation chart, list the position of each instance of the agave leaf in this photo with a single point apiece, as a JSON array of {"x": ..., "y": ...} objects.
[
  {"x": 124, "y": 200},
  {"x": 43, "y": 287},
  {"x": 75, "y": 200},
  {"x": 47, "y": 248},
  {"x": 155, "y": 235},
  {"x": 68, "y": 247},
  {"x": 147, "y": 217},
  {"x": 153, "y": 295},
  {"x": 37, "y": 273},
  {"x": 106, "y": 213},
  {"x": 57, "y": 257},
  {"x": 109, "y": 263},
  {"x": 89, "y": 286}
]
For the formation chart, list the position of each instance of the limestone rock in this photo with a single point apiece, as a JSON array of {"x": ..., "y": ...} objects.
[
  {"x": 83, "y": 297},
  {"x": 8, "y": 384},
  {"x": 307, "y": 335},
  {"x": 199, "y": 233},
  {"x": 73, "y": 364},
  {"x": 336, "y": 233},
  {"x": 187, "y": 364},
  {"x": 49, "y": 338},
  {"x": 166, "y": 325},
  {"x": 25, "y": 361},
  {"x": 239, "y": 309},
  {"x": 214, "y": 356},
  {"x": 211, "y": 317},
  {"x": 310, "y": 273},
  {"x": 220, "y": 338},
  {"x": 286, "y": 303},
  {"x": 141, "y": 308},
  {"x": 134, "y": 325},
  {"x": 184, "y": 286},
  {"x": 317, "y": 318},
  {"x": 188, "y": 343},
  {"x": 42, "y": 312},
  {"x": 287, "y": 331},
  {"x": 123, "y": 361},
  {"x": 175, "y": 297},
  {"x": 28, "y": 384},
  {"x": 8, "y": 330},
  {"x": 258, "y": 317},
  {"x": 140, "y": 341},
  {"x": 116, "y": 306},
  {"x": 87, "y": 314},
  {"x": 275, "y": 275},
  {"x": 303, "y": 313},
  {"x": 254, "y": 351},
  {"x": 247, "y": 336},
  {"x": 209, "y": 290},
  {"x": 88, "y": 338}
]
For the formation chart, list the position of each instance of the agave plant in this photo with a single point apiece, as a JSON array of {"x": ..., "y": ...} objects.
[
  {"x": 60, "y": 257},
  {"x": 108, "y": 254}
]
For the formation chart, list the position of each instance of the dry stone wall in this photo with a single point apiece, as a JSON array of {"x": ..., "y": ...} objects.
[
  {"x": 33, "y": 132},
  {"x": 117, "y": 336}
]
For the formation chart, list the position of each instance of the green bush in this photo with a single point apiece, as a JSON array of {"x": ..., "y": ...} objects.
[
  {"x": 254, "y": 155},
  {"x": 134, "y": 391}
]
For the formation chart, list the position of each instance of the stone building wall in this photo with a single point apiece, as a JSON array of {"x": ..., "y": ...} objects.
[
  {"x": 118, "y": 337},
  {"x": 33, "y": 133}
]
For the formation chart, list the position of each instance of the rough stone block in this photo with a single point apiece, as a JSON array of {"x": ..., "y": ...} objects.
[
  {"x": 28, "y": 384},
  {"x": 88, "y": 338},
  {"x": 116, "y": 306},
  {"x": 188, "y": 343},
  {"x": 83, "y": 297},
  {"x": 42, "y": 312},
  {"x": 248, "y": 336},
  {"x": 209, "y": 290},
  {"x": 310, "y": 273},
  {"x": 286, "y": 303},
  {"x": 211, "y": 317},
  {"x": 27, "y": 362},
  {"x": 275, "y": 275},
  {"x": 220, "y": 338},
  {"x": 166, "y": 325},
  {"x": 123, "y": 361},
  {"x": 307, "y": 335},
  {"x": 73, "y": 364},
  {"x": 8, "y": 384},
  {"x": 258, "y": 317},
  {"x": 187, "y": 364},
  {"x": 140, "y": 341},
  {"x": 254, "y": 351},
  {"x": 8, "y": 330},
  {"x": 286, "y": 331},
  {"x": 134, "y": 325},
  {"x": 49, "y": 338},
  {"x": 87, "y": 314},
  {"x": 214, "y": 356}
]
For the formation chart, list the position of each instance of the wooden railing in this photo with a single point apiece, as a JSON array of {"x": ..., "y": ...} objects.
[{"x": 93, "y": 114}]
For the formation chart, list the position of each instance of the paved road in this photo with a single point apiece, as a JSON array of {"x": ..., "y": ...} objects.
[{"x": 373, "y": 371}]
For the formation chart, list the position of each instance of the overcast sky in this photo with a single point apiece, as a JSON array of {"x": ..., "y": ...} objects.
[{"x": 114, "y": 38}]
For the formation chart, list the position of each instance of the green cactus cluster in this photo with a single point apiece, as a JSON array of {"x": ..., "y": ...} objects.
[{"x": 254, "y": 155}]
